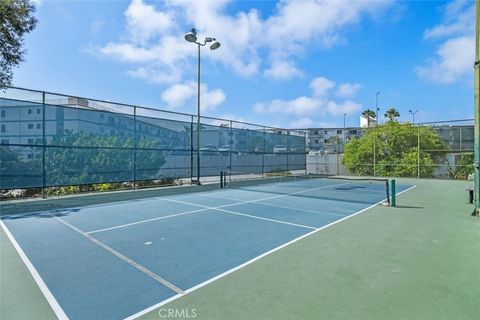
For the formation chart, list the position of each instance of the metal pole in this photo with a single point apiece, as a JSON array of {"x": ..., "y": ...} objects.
[
  {"x": 263, "y": 151},
  {"x": 418, "y": 153},
  {"x": 344, "y": 134},
  {"x": 477, "y": 107},
  {"x": 44, "y": 142},
  {"x": 198, "y": 118},
  {"x": 338, "y": 166},
  {"x": 134, "y": 147},
  {"x": 288, "y": 152},
  {"x": 461, "y": 138},
  {"x": 376, "y": 106},
  {"x": 374, "y": 153},
  {"x": 393, "y": 203},
  {"x": 191, "y": 150},
  {"x": 230, "y": 143}
]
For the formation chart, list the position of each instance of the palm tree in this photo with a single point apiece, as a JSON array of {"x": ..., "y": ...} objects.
[
  {"x": 369, "y": 113},
  {"x": 391, "y": 114}
]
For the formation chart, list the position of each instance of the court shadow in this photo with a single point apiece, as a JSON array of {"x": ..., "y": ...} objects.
[{"x": 409, "y": 207}]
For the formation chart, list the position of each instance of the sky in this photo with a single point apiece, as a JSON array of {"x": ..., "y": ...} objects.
[{"x": 292, "y": 64}]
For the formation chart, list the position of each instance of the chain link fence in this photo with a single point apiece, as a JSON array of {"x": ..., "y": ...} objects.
[
  {"x": 441, "y": 150},
  {"x": 55, "y": 144}
]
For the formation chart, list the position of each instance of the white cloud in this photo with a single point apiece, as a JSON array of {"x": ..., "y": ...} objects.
[
  {"x": 321, "y": 86},
  {"x": 320, "y": 103},
  {"x": 347, "y": 90},
  {"x": 181, "y": 94},
  {"x": 160, "y": 74},
  {"x": 155, "y": 35},
  {"x": 282, "y": 70},
  {"x": 453, "y": 60},
  {"x": 299, "y": 106},
  {"x": 304, "y": 122},
  {"x": 177, "y": 95},
  {"x": 338, "y": 109},
  {"x": 144, "y": 21}
]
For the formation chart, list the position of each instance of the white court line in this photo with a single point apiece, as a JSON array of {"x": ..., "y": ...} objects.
[
  {"x": 134, "y": 264},
  {"x": 203, "y": 284},
  {"x": 214, "y": 208},
  {"x": 277, "y": 206},
  {"x": 144, "y": 221},
  {"x": 36, "y": 276},
  {"x": 243, "y": 214}
]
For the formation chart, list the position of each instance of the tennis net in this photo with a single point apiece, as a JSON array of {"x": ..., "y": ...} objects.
[{"x": 337, "y": 188}]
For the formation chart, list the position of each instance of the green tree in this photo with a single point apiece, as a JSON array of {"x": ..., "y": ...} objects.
[
  {"x": 391, "y": 114},
  {"x": 16, "y": 19},
  {"x": 396, "y": 151},
  {"x": 463, "y": 167}
]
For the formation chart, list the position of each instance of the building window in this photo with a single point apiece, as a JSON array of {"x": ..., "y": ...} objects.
[
  {"x": 353, "y": 132},
  {"x": 39, "y": 111},
  {"x": 30, "y": 126},
  {"x": 2, "y": 128},
  {"x": 5, "y": 141},
  {"x": 102, "y": 129},
  {"x": 339, "y": 131},
  {"x": 39, "y": 126},
  {"x": 316, "y": 141},
  {"x": 325, "y": 131},
  {"x": 30, "y": 156},
  {"x": 29, "y": 111},
  {"x": 4, "y": 113},
  {"x": 315, "y": 132},
  {"x": 30, "y": 141}
]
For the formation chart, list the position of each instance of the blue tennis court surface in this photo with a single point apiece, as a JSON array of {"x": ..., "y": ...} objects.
[{"x": 112, "y": 261}]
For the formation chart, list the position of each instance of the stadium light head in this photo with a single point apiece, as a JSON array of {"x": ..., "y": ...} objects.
[
  {"x": 215, "y": 45},
  {"x": 191, "y": 36}
]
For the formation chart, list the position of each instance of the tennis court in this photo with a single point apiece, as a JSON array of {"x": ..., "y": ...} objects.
[{"x": 118, "y": 259}]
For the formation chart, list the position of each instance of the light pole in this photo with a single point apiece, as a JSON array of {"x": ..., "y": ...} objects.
[
  {"x": 413, "y": 115},
  {"x": 344, "y": 136},
  {"x": 477, "y": 110},
  {"x": 376, "y": 105},
  {"x": 191, "y": 36}
]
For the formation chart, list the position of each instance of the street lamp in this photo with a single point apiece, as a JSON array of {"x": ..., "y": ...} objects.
[
  {"x": 344, "y": 136},
  {"x": 191, "y": 36},
  {"x": 376, "y": 105},
  {"x": 413, "y": 115}
]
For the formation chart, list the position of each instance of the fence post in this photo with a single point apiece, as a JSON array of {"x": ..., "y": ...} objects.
[
  {"x": 305, "y": 152},
  {"x": 44, "y": 143},
  {"x": 374, "y": 152},
  {"x": 230, "y": 143},
  {"x": 418, "y": 153},
  {"x": 337, "y": 144},
  {"x": 134, "y": 147},
  {"x": 191, "y": 149},
  {"x": 461, "y": 138},
  {"x": 264, "y": 149},
  {"x": 288, "y": 152}
]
